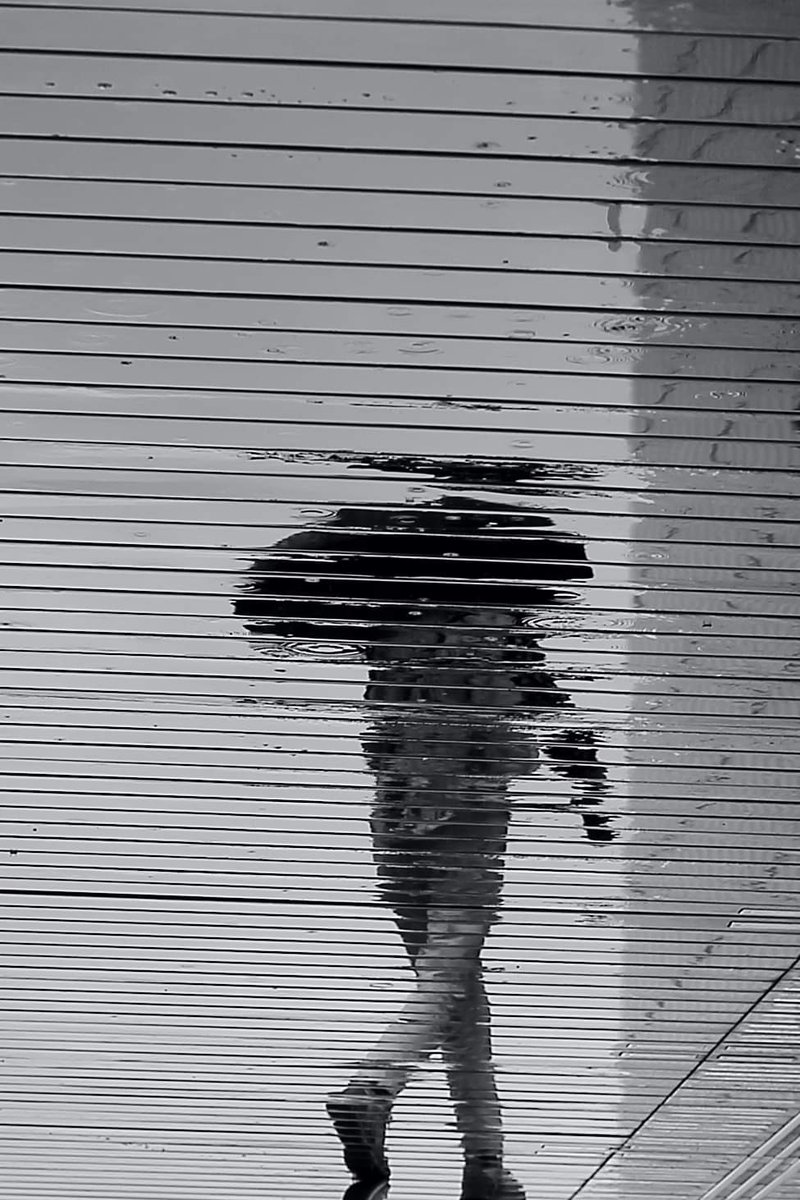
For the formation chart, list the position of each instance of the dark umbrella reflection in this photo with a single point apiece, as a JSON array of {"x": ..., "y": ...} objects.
[{"x": 439, "y": 595}]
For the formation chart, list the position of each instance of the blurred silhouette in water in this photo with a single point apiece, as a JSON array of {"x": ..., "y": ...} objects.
[{"x": 438, "y": 595}]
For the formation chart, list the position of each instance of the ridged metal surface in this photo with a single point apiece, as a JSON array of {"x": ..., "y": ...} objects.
[{"x": 399, "y": 509}]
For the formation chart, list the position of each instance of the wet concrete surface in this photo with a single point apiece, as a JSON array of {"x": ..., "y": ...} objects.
[{"x": 399, "y": 615}]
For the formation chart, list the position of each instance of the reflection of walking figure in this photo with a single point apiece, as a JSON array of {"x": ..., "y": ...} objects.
[{"x": 441, "y": 592}]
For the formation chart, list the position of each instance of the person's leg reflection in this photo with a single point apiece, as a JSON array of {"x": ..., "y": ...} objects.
[
  {"x": 446, "y": 969},
  {"x": 444, "y": 930},
  {"x": 448, "y": 1008},
  {"x": 467, "y": 1053},
  {"x": 439, "y": 829},
  {"x": 446, "y": 965}
]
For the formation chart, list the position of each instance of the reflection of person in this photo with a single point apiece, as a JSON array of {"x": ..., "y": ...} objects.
[{"x": 438, "y": 595}]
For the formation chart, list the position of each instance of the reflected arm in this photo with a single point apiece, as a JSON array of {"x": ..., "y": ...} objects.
[{"x": 572, "y": 754}]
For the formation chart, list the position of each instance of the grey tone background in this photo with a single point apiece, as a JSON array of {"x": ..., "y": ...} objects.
[{"x": 241, "y": 253}]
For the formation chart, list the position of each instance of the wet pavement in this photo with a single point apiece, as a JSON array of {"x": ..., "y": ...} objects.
[{"x": 399, "y": 623}]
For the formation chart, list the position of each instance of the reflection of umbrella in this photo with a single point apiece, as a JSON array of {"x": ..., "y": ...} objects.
[
  {"x": 429, "y": 588},
  {"x": 437, "y": 594},
  {"x": 377, "y": 567}
]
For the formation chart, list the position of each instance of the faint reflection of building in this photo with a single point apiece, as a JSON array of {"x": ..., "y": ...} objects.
[
  {"x": 439, "y": 595},
  {"x": 715, "y": 250}
]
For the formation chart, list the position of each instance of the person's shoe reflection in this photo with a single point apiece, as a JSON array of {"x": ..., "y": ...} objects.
[
  {"x": 487, "y": 1179},
  {"x": 438, "y": 596},
  {"x": 360, "y": 1115},
  {"x": 367, "y": 1191}
]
